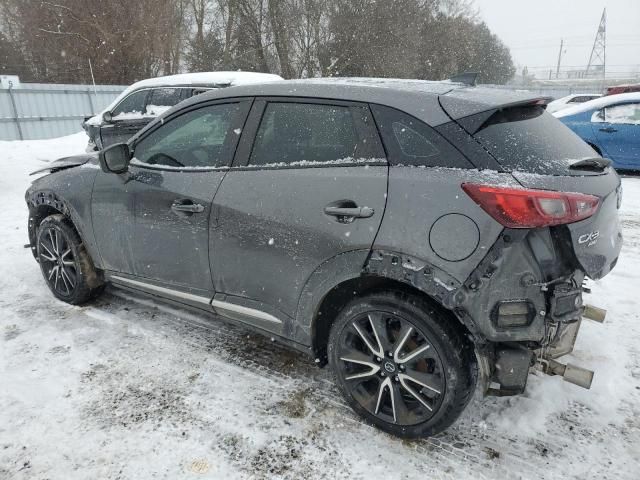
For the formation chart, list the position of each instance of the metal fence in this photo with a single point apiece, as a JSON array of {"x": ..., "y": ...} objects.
[{"x": 38, "y": 110}]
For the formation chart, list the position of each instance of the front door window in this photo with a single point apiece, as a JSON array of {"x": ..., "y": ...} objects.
[{"x": 197, "y": 139}]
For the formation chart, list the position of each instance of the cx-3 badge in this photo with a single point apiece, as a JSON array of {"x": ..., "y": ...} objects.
[{"x": 590, "y": 238}]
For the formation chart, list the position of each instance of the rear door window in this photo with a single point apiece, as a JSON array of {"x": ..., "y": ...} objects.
[
  {"x": 162, "y": 99},
  {"x": 306, "y": 133},
  {"x": 529, "y": 139},
  {"x": 628, "y": 113},
  {"x": 411, "y": 142}
]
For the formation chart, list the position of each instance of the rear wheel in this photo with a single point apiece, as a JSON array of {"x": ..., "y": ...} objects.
[
  {"x": 402, "y": 364},
  {"x": 65, "y": 263}
]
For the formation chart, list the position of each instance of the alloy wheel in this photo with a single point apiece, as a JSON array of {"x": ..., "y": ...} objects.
[
  {"x": 58, "y": 262},
  {"x": 390, "y": 368}
]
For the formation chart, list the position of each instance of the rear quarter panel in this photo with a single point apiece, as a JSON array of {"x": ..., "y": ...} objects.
[{"x": 428, "y": 216}]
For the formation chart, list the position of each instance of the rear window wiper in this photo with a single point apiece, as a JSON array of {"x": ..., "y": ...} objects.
[{"x": 596, "y": 163}]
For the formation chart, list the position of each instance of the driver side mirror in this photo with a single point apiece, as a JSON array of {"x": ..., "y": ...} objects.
[
  {"x": 107, "y": 117},
  {"x": 115, "y": 159}
]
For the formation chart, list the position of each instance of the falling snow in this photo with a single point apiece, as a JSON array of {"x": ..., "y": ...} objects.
[{"x": 129, "y": 388}]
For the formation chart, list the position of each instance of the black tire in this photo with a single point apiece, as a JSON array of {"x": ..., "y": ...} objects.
[
  {"x": 444, "y": 369},
  {"x": 65, "y": 263}
]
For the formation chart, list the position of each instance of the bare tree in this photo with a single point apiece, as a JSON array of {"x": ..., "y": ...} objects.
[{"x": 126, "y": 41}]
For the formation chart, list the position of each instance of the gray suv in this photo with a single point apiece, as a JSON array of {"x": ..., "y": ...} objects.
[{"x": 421, "y": 238}]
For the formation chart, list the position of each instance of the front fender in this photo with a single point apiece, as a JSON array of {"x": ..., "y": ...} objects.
[{"x": 67, "y": 192}]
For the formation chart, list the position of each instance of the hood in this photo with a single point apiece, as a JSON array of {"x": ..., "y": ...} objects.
[{"x": 66, "y": 162}]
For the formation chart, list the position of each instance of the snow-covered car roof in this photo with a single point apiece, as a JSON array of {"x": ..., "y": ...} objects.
[
  {"x": 598, "y": 103},
  {"x": 202, "y": 79},
  {"x": 563, "y": 102}
]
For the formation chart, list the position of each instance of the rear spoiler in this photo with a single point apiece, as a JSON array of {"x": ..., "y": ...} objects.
[
  {"x": 463, "y": 101},
  {"x": 472, "y": 116}
]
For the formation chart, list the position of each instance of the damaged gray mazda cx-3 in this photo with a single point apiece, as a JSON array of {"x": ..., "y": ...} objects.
[{"x": 419, "y": 237}]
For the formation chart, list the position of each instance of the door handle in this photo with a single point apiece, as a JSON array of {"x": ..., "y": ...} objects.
[
  {"x": 186, "y": 206},
  {"x": 608, "y": 130},
  {"x": 348, "y": 214}
]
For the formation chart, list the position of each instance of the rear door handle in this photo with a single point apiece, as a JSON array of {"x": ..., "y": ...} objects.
[
  {"x": 608, "y": 130},
  {"x": 186, "y": 206},
  {"x": 348, "y": 214}
]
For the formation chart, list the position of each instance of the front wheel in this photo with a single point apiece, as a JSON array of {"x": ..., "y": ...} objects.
[
  {"x": 401, "y": 364},
  {"x": 65, "y": 263}
]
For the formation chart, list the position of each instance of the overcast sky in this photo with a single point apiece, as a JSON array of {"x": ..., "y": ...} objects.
[{"x": 532, "y": 29}]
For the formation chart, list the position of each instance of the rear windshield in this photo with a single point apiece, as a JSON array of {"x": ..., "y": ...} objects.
[{"x": 529, "y": 139}]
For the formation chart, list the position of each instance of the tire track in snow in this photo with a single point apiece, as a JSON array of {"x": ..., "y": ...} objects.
[{"x": 442, "y": 453}]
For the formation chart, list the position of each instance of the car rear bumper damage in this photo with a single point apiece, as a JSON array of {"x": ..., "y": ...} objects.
[
  {"x": 523, "y": 305},
  {"x": 508, "y": 364},
  {"x": 507, "y": 371}
]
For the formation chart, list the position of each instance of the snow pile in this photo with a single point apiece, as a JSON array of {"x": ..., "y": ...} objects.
[{"x": 31, "y": 153}]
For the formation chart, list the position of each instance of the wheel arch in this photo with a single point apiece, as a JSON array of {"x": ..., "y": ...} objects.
[
  {"x": 339, "y": 280},
  {"x": 43, "y": 204}
]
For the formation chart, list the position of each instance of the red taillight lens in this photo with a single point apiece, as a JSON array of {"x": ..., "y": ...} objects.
[{"x": 523, "y": 208}]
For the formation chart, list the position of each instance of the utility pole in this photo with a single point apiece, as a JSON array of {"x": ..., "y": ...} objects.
[
  {"x": 559, "y": 59},
  {"x": 598, "y": 58}
]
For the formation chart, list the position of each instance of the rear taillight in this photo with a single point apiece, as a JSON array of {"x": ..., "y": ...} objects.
[{"x": 523, "y": 208}]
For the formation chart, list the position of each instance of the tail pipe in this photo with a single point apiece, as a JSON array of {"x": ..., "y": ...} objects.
[
  {"x": 569, "y": 373},
  {"x": 594, "y": 313}
]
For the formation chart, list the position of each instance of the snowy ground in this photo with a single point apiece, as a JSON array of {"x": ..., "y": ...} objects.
[{"x": 129, "y": 389}]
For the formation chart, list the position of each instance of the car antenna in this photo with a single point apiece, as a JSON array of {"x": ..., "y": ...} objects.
[{"x": 466, "y": 78}]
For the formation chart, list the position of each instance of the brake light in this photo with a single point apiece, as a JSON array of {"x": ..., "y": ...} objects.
[{"x": 524, "y": 208}]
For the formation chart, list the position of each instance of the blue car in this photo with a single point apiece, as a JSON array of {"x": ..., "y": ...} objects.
[{"x": 611, "y": 125}]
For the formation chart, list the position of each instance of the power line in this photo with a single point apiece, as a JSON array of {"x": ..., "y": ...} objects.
[{"x": 550, "y": 45}]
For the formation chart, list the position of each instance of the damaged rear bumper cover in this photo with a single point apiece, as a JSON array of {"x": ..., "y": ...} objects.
[{"x": 506, "y": 355}]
